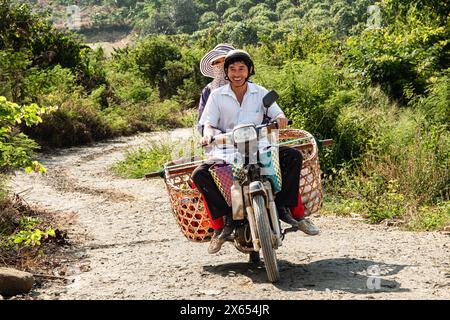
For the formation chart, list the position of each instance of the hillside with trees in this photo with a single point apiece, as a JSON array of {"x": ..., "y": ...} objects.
[{"x": 237, "y": 21}]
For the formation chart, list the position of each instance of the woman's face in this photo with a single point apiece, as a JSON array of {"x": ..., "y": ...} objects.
[
  {"x": 218, "y": 71},
  {"x": 237, "y": 72}
]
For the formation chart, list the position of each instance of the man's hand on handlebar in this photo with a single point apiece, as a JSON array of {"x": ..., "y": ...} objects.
[
  {"x": 282, "y": 121},
  {"x": 208, "y": 134},
  {"x": 211, "y": 134},
  {"x": 207, "y": 139}
]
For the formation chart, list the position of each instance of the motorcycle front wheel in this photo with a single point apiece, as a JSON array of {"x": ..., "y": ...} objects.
[{"x": 266, "y": 238}]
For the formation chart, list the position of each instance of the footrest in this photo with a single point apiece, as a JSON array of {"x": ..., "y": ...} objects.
[{"x": 288, "y": 230}]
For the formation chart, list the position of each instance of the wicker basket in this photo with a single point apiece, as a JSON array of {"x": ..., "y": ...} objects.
[
  {"x": 310, "y": 181},
  {"x": 187, "y": 204}
]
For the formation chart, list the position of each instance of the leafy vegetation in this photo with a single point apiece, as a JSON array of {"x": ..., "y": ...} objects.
[
  {"x": 26, "y": 236},
  {"x": 87, "y": 96},
  {"x": 16, "y": 148}
]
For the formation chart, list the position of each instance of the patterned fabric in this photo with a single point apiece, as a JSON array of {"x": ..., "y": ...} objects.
[
  {"x": 276, "y": 179},
  {"x": 271, "y": 167},
  {"x": 224, "y": 176}
]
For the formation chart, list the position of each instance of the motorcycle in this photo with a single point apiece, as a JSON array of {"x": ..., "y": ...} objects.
[{"x": 257, "y": 226}]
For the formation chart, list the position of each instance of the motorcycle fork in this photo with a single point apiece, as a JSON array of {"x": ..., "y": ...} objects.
[
  {"x": 273, "y": 213},
  {"x": 251, "y": 218},
  {"x": 264, "y": 189}
]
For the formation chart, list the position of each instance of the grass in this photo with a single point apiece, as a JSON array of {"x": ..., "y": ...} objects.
[
  {"x": 156, "y": 154},
  {"x": 142, "y": 161},
  {"x": 153, "y": 157},
  {"x": 391, "y": 207},
  {"x": 431, "y": 218}
]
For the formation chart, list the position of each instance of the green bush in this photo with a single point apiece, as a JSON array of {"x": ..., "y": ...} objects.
[
  {"x": 188, "y": 93},
  {"x": 21, "y": 30},
  {"x": 421, "y": 166},
  {"x": 90, "y": 69},
  {"x": 116, "y": 120},
  {"x": 188, "y": 118},
  {"x": 307, "y": 42},
  {"x": 404, "y": 54},
  {"x": 75, "y": 121},
  {"x": 435, "y": 104},
  {"x": 130, "y": 88},
  {"x": 155, "y": 57},
  {"x": 49, "y": 86},
  {"x": 371, "y": 196},
  {"x": 304, "y": 87},
  {"x": 15, "y": 67},
  {"x": 16, "y": 149},
  {"x": 402, "y": 169},
  {"x": 165, "y": 114}
]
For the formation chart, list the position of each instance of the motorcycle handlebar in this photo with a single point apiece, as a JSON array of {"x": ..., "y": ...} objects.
[
  {"x": 272, "y": 123},
  {"x": 159, "y": 174}
]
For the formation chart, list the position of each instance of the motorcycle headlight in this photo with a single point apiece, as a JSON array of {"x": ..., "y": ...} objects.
[{"x": 244, "y": 134}]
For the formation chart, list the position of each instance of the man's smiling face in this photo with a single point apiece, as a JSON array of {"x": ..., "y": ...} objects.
[{"x": 237, "y": 72}]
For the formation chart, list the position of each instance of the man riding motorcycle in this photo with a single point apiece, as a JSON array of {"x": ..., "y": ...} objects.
[{"x": 237, "y": 103}]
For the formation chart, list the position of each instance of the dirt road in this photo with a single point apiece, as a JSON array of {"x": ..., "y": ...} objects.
[{"x": 127, "y": 245}]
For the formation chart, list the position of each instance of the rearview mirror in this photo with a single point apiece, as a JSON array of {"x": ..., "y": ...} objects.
[{"x": 270, "y": 98}]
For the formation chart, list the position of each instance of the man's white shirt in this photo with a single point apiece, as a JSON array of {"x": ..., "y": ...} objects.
[{"x": 223, "y": 111}]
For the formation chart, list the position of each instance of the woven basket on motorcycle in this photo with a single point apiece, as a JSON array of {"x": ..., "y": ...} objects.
[
  {"x": 187, "y": 204},
  {"x": 310, "y": 180}
]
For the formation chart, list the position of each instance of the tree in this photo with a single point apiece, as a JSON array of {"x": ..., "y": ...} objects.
[
  {"x": 282, "y": 6},
  {"x": 233, "y": 14},
  {"x": 243, "y": 33},
  {"x": 244, "y": 5},
  {"x": 263, "y": 10},
  {"x": 208, "y": 19},
  {"x": 222, "y": 6},
  {"x": 15, "y": 67},
  {"x": 22, "y": 30},
  {"x": 157, "y": 23},
  {"x": 405, "y": 55},
  {"x": 152, "y": 56},
  {"x": 184, "y": 15}
]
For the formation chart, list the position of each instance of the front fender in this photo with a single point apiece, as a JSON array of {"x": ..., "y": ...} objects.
[{"x": 257, "y": 187}]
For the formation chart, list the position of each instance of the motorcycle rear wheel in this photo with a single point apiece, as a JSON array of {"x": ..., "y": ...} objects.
[{"x": 265, "y": 238}]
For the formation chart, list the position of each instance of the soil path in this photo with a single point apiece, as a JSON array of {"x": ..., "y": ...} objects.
[{"x": 127, "y": 245}]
